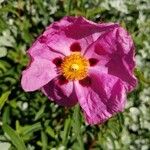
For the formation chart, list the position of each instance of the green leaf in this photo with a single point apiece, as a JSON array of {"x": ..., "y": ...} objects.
[
  {"x": 50, "y": 132},
  {"x": 28, "y": 130},
  {"x": 4, "y": 65},
  {"x": 141, "y": 77},
  {"x": 6, "y": 115},
  {"x": 9, "y": 8},
  {"x": 68, "y": 4},
  {"x": 77, "y": 122},
  {"x": 91, "y": 12},
  {"x": 14, "y": 137},
  {"x": 4, "y": 98},
  {"x": 40, "y": 113},
  {"x": 66, "y": 131},
  {"x": 3, "y": 24},
  {"x": 44, "y": 140}
]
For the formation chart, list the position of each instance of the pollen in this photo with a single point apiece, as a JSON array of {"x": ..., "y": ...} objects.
[{"x": 74, "y": 67}]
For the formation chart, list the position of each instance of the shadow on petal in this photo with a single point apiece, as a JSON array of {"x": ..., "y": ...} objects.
[{"x": 62, "y": 94}]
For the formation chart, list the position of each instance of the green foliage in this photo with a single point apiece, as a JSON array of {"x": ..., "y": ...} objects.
[
  {"x": 14, "y": 137},
  {"x": 4, "y": 98},
  {"x": 29, "y": 120}
]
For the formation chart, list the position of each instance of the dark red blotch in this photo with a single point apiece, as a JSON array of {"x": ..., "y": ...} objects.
[
  {"x": 75, "y": 47},
  {"x": 93, "y": 61},
  {"x": 85, "y": 82},
  {"x": 57, "y": 61},
  {"x": 62, "y": 80}
]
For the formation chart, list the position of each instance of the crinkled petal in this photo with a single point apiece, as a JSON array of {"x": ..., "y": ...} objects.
[
  {"x": 58, "y": 25},
  {"x": 58, "y": 38},
  {"x": 82, "y": 27},
  {"x": 41, "y": 50},
  {"x": 69, "y": 30},
  {"x": 118, "y": 66},
  {"x": 53, "y": 39},
  {"x": 61, "y": 92},
  {"x": 86, "y": 32},
  {"x": 117, "y": 47},
  {"x": 70, "y": 20},
  {"x": 37, "y": 74},
  {"x": 59, "y": 42},
  {"x": 102, "y": 99}
]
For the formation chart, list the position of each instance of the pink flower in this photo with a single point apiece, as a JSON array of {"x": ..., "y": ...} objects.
[{"x": 77, "y": 60}]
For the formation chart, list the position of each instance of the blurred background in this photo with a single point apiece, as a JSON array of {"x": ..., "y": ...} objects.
[{"x": 29, "y": 121}]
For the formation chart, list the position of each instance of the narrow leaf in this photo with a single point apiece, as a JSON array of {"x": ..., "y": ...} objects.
[
  {"x": 50, "y": 132},
  {"x": 14, "y": 137},
  {"x": 39, "y": 113},
  {"x": 44, "y": 140},
  {"x": 31, "y": 128},
  {"x": 77, "y": 126},
  {"x": 4, "y": 98},
  {"x": 66, "y": 131}
]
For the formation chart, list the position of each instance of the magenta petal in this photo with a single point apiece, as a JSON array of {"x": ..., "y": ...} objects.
[
  {"x": 86, "y": 28},
  {"x": 86, "y": 32},
  {"x": 104, "y": 98},
  {"x": 39, "y": 73},
  {"x": 41, "y": 50},
  {"x": 58, "y": 25},
  {"x": 69, "y": 30},
  {"x": 119, "y": 67},
  {"x": 122, "y": 61},
  {"x": 61, "y": 92},
  {"x": 117, "y": 49},
  {"x": 58, "y": 39},
  {"x": 60, "y": 43}
]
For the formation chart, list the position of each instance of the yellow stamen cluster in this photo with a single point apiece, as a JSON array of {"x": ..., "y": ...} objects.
[{"x": 74, "y": 67}]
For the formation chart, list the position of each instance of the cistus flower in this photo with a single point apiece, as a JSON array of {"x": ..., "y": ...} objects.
[{"x": 78, "y": 61}]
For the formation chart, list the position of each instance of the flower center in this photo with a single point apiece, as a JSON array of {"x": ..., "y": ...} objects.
[{"x": 74, "y": 67}]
